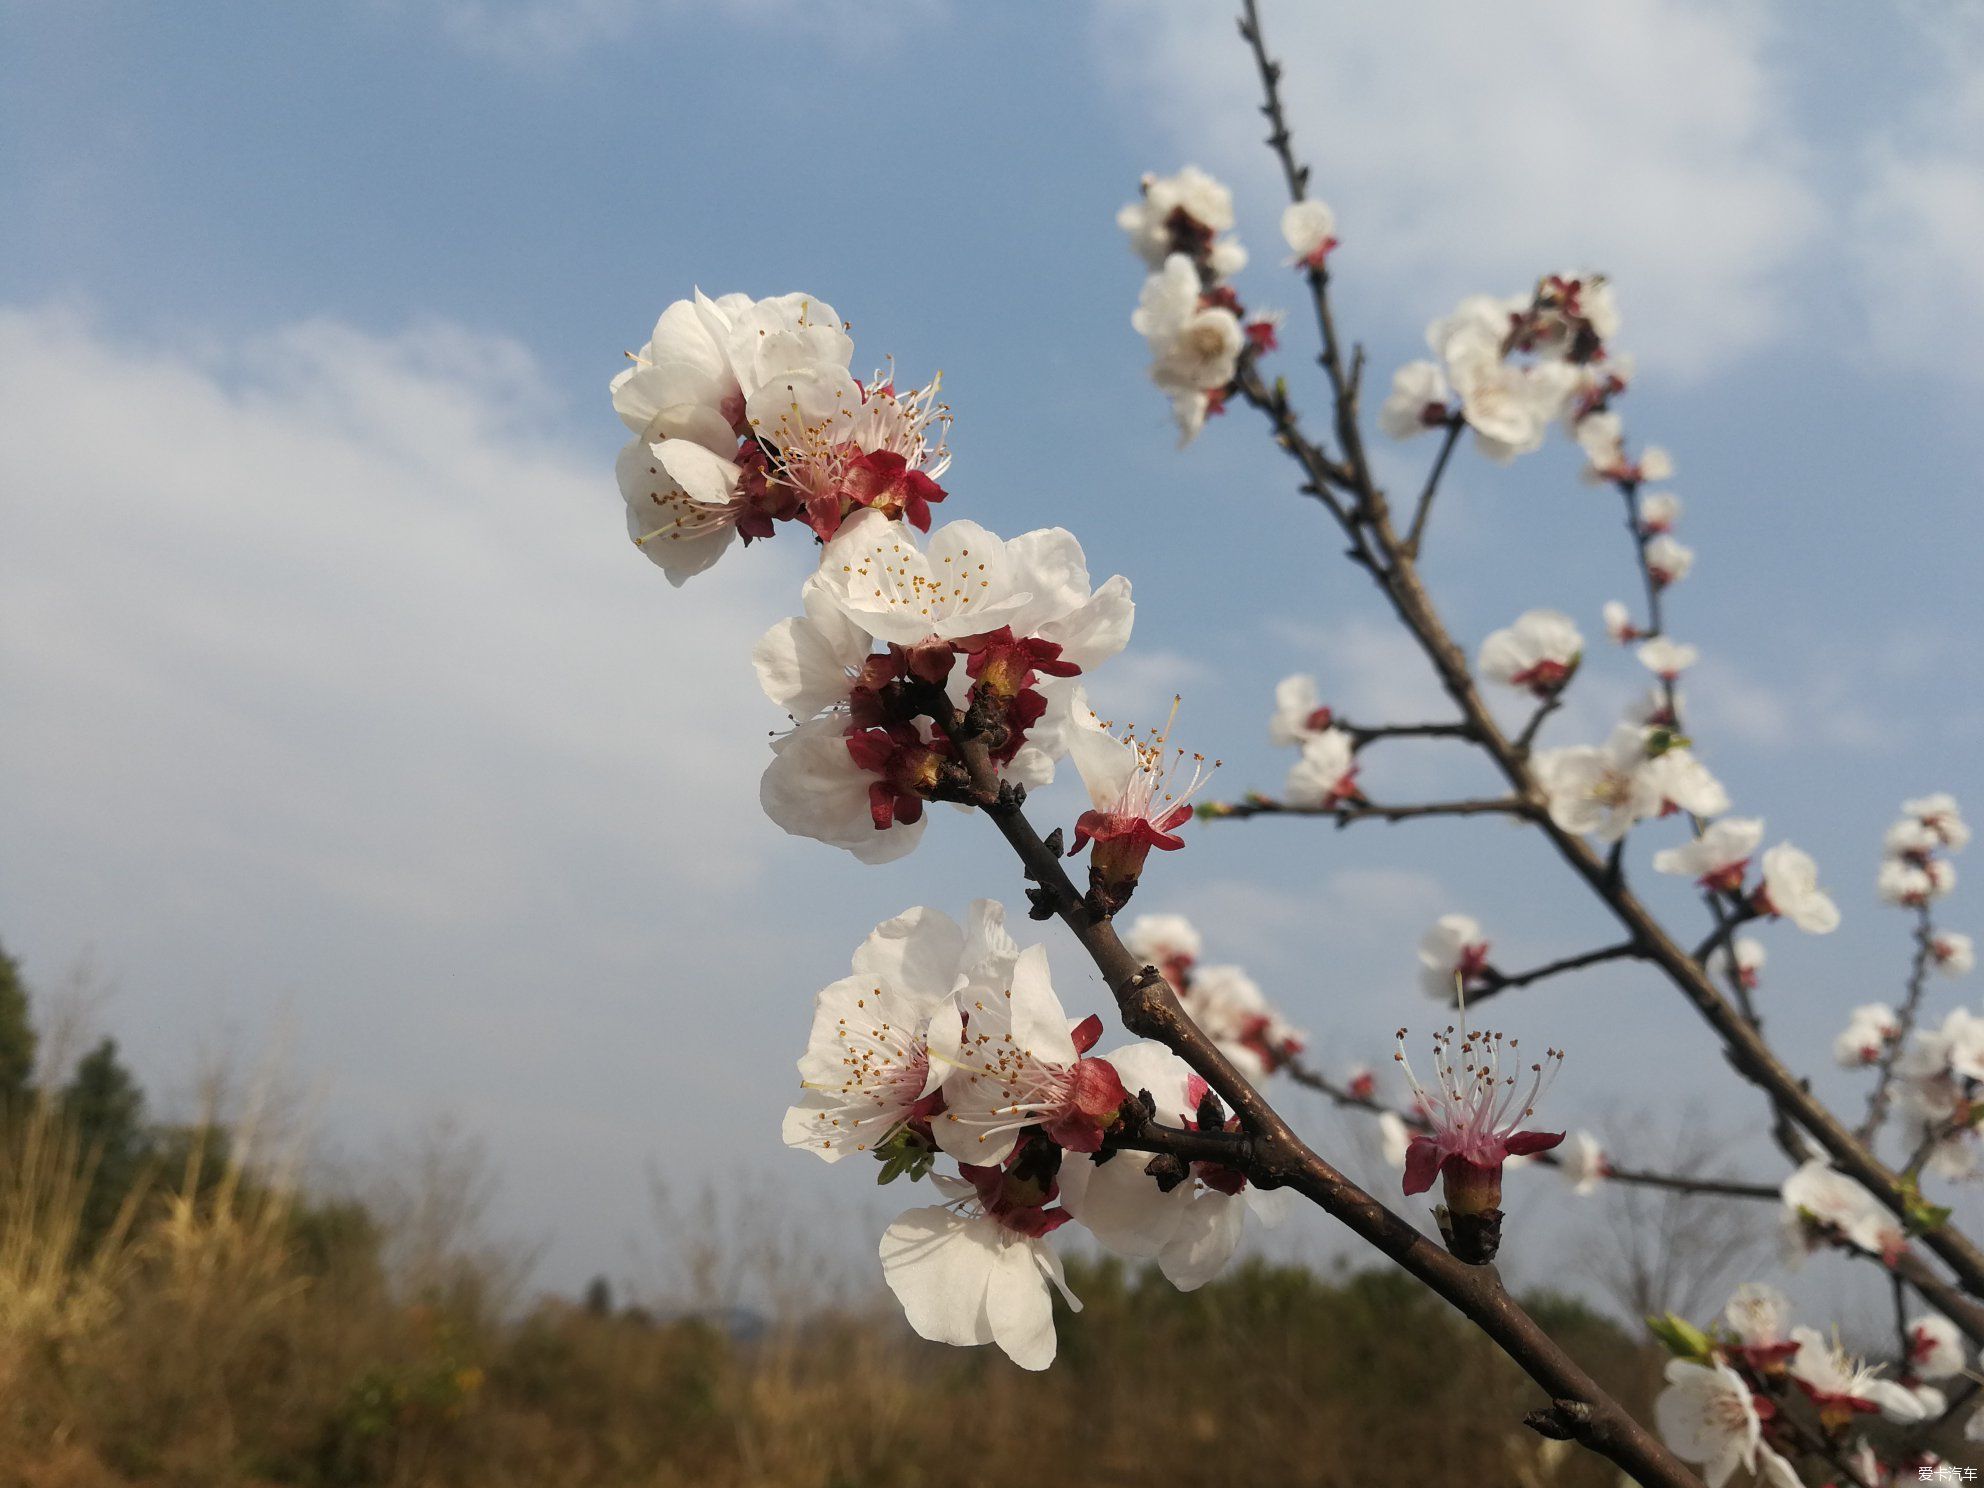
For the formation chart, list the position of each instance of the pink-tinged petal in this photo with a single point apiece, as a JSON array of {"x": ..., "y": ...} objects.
[
  {"x": 1086, "y": 1033},
  {"x": 1527, "y": 1143},
  {"x": 1422, "y": 1164}
]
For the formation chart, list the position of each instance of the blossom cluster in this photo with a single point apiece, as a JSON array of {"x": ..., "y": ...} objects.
[
  {"x": 948, "y": 1042},
  {"x": 1936, "y": 1075},
  {"x": 745, "y": 415},
  {"x": 1189, "y": 313},
  {"x": 1226, "y": 1003},
  {"x": 1755, "y": 1392},
  {"x": 1509, "y": 368}
]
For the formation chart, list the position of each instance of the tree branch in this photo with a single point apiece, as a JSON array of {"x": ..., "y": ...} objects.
[
  {"x": 1398, "y": 579},
  {"x": 1357, "y": 811},
  {"x": 1905, "y": 1016}
]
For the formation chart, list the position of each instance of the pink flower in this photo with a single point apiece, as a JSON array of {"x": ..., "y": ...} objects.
[{"x": 1475, "y": 1112}]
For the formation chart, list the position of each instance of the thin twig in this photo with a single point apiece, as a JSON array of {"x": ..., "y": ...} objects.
[
  {"x": 1356, "y": 811},
  {"x": 1905, "y": 1016},
  {"x": 1424, "y": 509}
]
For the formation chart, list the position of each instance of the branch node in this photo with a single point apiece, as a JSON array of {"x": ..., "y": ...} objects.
[{"x": 1565, "y": 1420}]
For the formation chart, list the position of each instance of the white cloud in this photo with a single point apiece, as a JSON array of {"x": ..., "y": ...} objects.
[
  {"x": 535, "y": 33},
  {"x": 1469, "y": 147},
  {"x": 332, "y": 683},
  {"x": 1919, "y": 214}
]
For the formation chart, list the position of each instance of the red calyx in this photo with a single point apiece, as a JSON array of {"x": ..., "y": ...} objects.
[
  {"x": 1096, "y": 1096},
  {"x": 883, "y": 480},
  {"x": 906, "y": 768},
  {"x": 1003, "y": 663}
]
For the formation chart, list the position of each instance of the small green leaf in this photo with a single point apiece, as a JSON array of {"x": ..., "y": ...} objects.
[{"x": 1681, "y": 1338}]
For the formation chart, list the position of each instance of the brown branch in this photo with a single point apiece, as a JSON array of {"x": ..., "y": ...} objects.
[
  {"x": 1355, "y": 811},
  {"x": 1276, "y": 1157},
  {"x": 1905, "y": 1016},
  {"x": 1494, "y": 981},
  {"x": 1424, "y": 509},
  {"x": 1397, "y": 577},
  {"x": 1361, "y": 735},
  {"x": 1724, "y": 1188}
]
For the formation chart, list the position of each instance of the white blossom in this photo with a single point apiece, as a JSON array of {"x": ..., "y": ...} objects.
[
  {"x": 1935, "y": 1347},
  {"x": 1659, "y": 511},
  {"x": 1163, "y": 940},
  {"x": 1149, "y": 221},
  {"x": 1619, "y": 624},
  {"x": 1747, "y": 961},
  {"x": 1759, "y": 1316},
  {"x": 1583, "y": 1164},
  {"x": 1667, "y": 659},
  {"x": 1667, "y": 560},
  {"x": 1818, "y": 1195},
  {"x": 1952, "y": 953},
  {"x": 869, "y": 1060},
  {"x": 1190, "y": 1231},
  {"x": 1791, "y": 890},
  {"x": 1417, "y": 402},
  {"x": 1706, "y": 1415},
  {"x": 1599, "y": 790},
  {"x": 1941, "y": 815},
  {"x": 1299, "y": 714},
  {"x": 1716, "y": 858},
  {"x": 1539, "y": 652},
  {"x": 1326, "y": 772},
  {"x": 1309, "y": 229},
  {"x": 1454, "y": 946},
  {"x": 1834, "y": 1378},
  {"x": 964, "y": 1278},
  {"x": 1869, "y": 1031}
]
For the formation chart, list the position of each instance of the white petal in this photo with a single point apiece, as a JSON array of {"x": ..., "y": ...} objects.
[
  {"x": 1205, "y": 1240},
  {"x": 939, "y": 1264}
]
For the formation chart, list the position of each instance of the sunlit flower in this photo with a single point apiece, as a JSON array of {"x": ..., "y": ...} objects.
[
  {"x": 1599, "y": 790},
  {"x": 1453, "y": 948},
  {"x": 965, "y": 1276},
  {"x": 1417, "y": 402},
  {"x": 1952, "y": 953},
  {"x": 1869, "y": 1032},
  {"x": 1619, "y": 624},
  {"x": 1140, "y": 788},
  {"x": 1326, "y": 774},
  {"x": 1475, "y": 1109},
  {"x": 1707, "y": 1415},
  {"x": 1190, "y": 1229},
  {"x": 1717, "y": 858},
  {"x": 1940, "y": 814},
  {"x": 1667, "y": 659},
  {"x": 1842, "y": 1387},
  {"x": 1017, "y": 1064},
  {"x": 1668, "y": 561},
  {"x": 1828, "y": 1205},
  {"x": 869, "y": 1068},
  {"x": 1747, "y": 962},
  {"x": 1538, "y": 653},
  {"x": 1169, "y": 942},
  {"x": 1790, "y": 889},
  {"x": 1659, "y": 511},
  {"x": 1583, "y": 1165},
  {"x": 1182, "y": 213},
  {"x": 1309, "y": 229},
  {"x": 1935, "y": 1348},
  {"x": 1299, "y": 714}
]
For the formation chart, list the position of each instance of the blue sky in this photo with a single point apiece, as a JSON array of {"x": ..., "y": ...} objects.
[{"x": 341, "y": 717}]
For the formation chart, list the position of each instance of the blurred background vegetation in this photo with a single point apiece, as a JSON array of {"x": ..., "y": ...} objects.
[{"x": 178, "y": 1308}]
